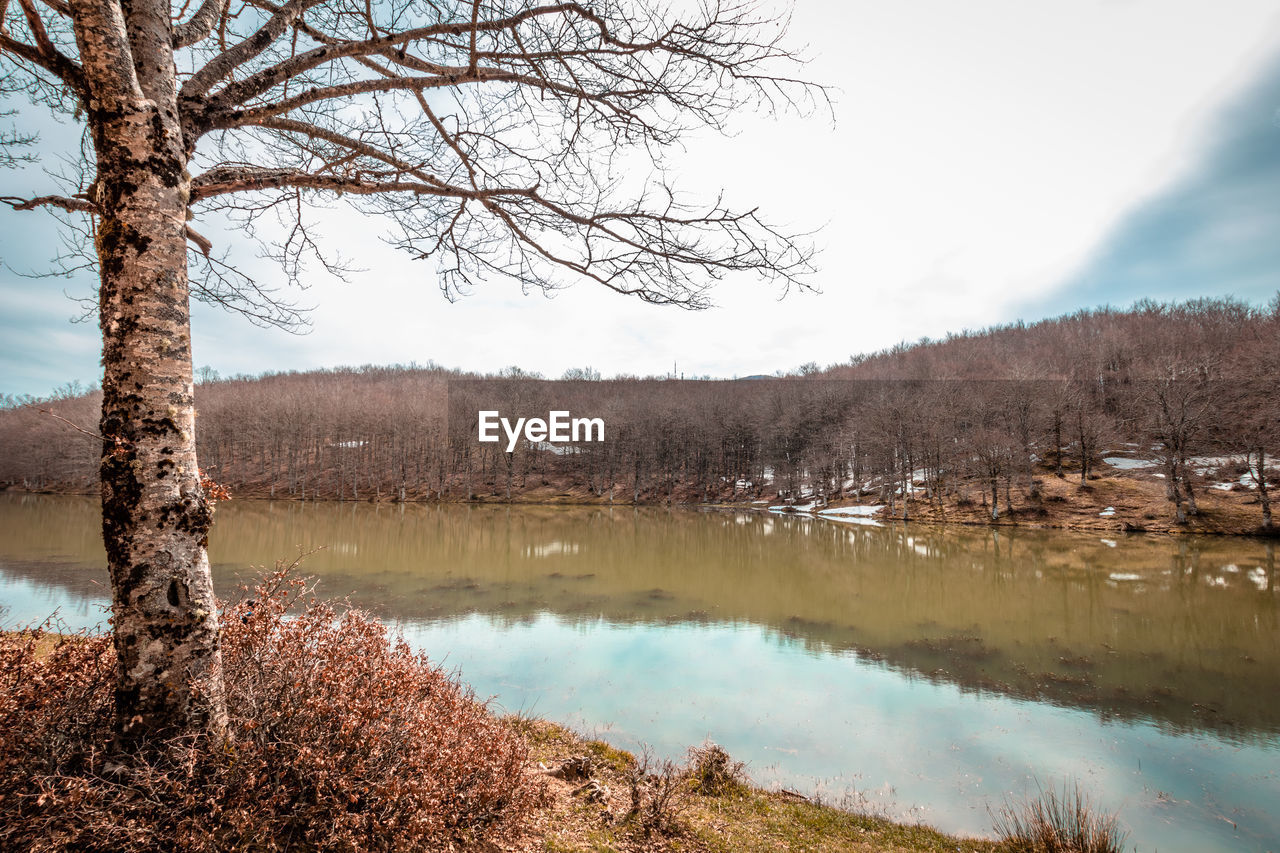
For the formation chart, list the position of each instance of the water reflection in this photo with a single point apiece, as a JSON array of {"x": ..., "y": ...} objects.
[{"x": 931, "y": 666}]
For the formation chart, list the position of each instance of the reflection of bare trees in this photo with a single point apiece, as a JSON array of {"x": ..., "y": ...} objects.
[{"x": 1019, "y": 612}]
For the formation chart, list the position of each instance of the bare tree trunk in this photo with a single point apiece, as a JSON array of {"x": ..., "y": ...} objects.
[
  {"x": 155, "y": 518},
  {"x": 1175, "y": 493},
  {"x": 1057, "y": 443},
  {"x": 1085, "y": 449},
  {"x": 1192, "y": 509},
  {"x": 1261, "y": 479}
]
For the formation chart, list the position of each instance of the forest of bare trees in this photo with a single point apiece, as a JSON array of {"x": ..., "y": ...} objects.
[{"x": 984, "y": 414}]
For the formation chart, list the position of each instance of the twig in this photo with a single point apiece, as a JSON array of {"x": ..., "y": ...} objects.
[{"x": 75, "y": 427}]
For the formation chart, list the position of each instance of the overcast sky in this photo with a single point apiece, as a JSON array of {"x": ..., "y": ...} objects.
[{"x": 990, "y": 160}]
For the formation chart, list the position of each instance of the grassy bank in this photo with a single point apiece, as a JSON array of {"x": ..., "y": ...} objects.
[
  {"x": 564, "y": 793},
  {"x": 591, "y": 808}
]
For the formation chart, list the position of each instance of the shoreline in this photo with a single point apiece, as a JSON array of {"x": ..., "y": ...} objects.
[
  {"x": 588, "y": 806},
  {"x": 1117, "y": 504}
]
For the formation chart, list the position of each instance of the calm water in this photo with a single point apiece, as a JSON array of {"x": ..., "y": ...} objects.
[{"x": 927, "y": 672}]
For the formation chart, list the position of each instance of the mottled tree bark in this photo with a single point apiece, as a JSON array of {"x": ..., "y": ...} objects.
[
  {"x": 155, "y": 517},
  {"x": 1260, "y": 478}
]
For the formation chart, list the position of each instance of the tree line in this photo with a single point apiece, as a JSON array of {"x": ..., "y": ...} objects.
[{"x": 983, "y": 414}]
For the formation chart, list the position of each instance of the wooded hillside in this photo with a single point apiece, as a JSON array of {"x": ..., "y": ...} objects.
[{"x": 1191, "y": 390}]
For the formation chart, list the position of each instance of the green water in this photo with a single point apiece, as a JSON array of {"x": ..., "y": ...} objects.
[{"x": 928, "y": 672}]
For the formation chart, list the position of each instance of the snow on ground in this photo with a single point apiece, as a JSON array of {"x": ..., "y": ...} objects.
[
  {"x": 852, "y": 514},
  {"x": 1124, "y": 463},
  {"x": 1108, "y": 512},
  {"x": 809, "y": 507},
  {"x": 863, "y": 511},
  {"x": 1204, "y": 464},
  {"x": 557, "y": 449},
  {"x": 1199, "y": 464},
  {"x": 846, "y": 514}
]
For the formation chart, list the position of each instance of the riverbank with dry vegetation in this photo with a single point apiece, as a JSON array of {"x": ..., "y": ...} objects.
[
  {"x": 1109, "y": 500},
  {"x": 605, "y": 799},
  {"x": 344, "y": 739}
]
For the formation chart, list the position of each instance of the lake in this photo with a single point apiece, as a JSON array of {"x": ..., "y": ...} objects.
[{"x": 922, "y": 672}]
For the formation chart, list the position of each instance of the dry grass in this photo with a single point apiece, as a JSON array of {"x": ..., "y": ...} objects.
[
  {"x": 1058, "y": 822},
  {"x": 713, "y": 772},
  {"x": 739, "y": 818},
  {"x": 346, "y": 740}
]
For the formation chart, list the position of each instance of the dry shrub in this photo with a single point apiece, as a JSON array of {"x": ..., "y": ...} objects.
[
  {"x": 341, "y": 740},
  {"x": 1056, "y": 822},
  {"x": 660, "y": 793},
  {"x": 713, "y": 772}
]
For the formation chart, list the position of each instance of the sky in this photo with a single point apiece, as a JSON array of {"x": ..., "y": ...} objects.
[{"x": 985, "y": 162}]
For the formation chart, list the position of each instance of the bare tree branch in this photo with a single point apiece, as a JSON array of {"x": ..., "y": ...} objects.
[
  {"x": 246, "y": 49},
  {"x": 75, "y": 205},
  {"x": 499, "y": 139},
  {"x": 200, "y": 25}
]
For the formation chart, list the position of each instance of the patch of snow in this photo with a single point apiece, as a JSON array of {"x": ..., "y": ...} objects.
[
  {"x": 851, "y": 510},
  {"x": 1110, "y": 543},
  {"x": 1161, "y": 476},
  {"x": 1124, "y": 576},
  {"x": 1223, "y": 487},
  {"x": 1204, "y": 464},
  {"x": 1108, "y": 512},
  {"x": 1124, "y": 463},
  {"x": 557, "y": 449},
  {"x": 799, "y": 509}
]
